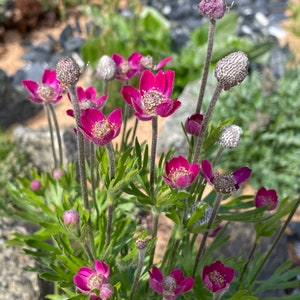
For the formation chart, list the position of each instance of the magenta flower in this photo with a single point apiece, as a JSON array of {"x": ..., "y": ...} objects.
[
  {"x": 153, "y": 97},
  {"x": 87, "y": 98},
  {"x": 87, "y": 280},
  {"x": 135, "y": 65},
  {"x": 106, "y": 291},
  {"x": 35, "y": 185},
  {"x": 48, "y": 91},
  {"x": 266, "y": 198},
  {"x": 193, "y": 124},
  {"x": 170, "y": 286},
  {"x": 57, "y": 173},
  {"x": 97, "y": 128},
  {"x": 225, "y": 183},
  {"x": 127, "y": 68},
  {"x": 71, "y": 217},
  {"x": 179, "y": 173},
  {"x": 217, "y": 277}
]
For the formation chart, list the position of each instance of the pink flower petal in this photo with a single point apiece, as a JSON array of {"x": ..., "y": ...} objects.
[
  {"x": 241, "y": 174},
  {"x": 147, "y": 82},
  {"x": 163, "y": 62},
  {"x": 207, "y": 170},
  {"x": 102, "y": 268}
]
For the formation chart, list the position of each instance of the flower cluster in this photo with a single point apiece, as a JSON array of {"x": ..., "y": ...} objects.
[{"x": 92, "y": 210}]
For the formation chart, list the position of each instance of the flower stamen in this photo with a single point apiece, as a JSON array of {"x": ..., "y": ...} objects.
[
  {"x": 102, "y": 128},
  {"x": 46, "y": 92},
  {"x": 151, "y": 100}
]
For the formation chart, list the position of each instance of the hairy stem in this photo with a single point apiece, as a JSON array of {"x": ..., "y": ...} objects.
[
  {"x": 47, "y": 111},
  {"x": 111, "y": 156},
  {"x": 211, "y": 220},
  {"x": 141, "y": 261},
  {"x": 204, "y": 126},
  {"x": 210, "y": 43},
  {"x": 277, "y": 239},
  {"x": 57, "y": 134}
]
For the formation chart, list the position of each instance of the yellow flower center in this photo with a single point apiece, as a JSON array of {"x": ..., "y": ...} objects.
[
  {"x": 215, "y": 276},
  {"x": 46, "y": 92},
  {"x": 151, "y": 100},
  {"x": 168, "y": 284},
  {"x": 102, "y": 128},
  {"x": 95, "y": 281}
]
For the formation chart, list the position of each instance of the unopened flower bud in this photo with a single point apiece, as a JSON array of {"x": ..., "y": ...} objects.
[
  {"x": 230, "y": 136},
  {"x": 232, "y": 69},
  {"x": 193, "y": 124},
  {"x": 71, "y": 217},
  {"x": 106, "y": 291},
  {"x": 67, "y": 71},
  {"x": 213, "y": 9},
  {"x": 106, "y": 68},
  {"x": 141, "y": 244},
  {"x": 205, "y": 218},
  {"x": 35, "y": 185},
  {"x": 57, "y": 173}
]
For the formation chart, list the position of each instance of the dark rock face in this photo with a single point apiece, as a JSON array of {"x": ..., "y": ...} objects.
[{"x": 15, "y": 108}]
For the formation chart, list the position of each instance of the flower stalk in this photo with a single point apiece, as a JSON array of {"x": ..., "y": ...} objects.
[
  {"x": 111, "y": 156},
  {"x": 210, "y": 43},
  {"x": 276, "y": 241},
  {"x": 207, "y": 116},
  {"x": 211, "y": 220}
]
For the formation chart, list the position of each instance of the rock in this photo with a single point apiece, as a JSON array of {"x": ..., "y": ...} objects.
[
  {"x": 36, "y": 143},
  {"x": 15, "y": 108}
]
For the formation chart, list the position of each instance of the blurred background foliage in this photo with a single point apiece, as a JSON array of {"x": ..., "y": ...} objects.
[{"x": 269, "y": 116}]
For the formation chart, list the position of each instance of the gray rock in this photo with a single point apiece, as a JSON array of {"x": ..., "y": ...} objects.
[
  {"x": 15, "y": 108},
  {"x": 37, "y": 145}
]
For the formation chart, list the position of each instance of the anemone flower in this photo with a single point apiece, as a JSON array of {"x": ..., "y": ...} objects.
[
  {"x": 170, "y": 286},
  {"x": 266, "y": 198},
  {"x": 87, "y": 280},
  {"x": 193, "y": 124},
  {"x": 153, "y": 98},
  {"x": 127, "y": 68},
  {"x": 217, "y": 277},
  {"x": 179, "y": 173},
  {"x": 48, "y": 91},
  {"x": 97, "y": 128},
  {"x": 87, "y": 98},
  {"x": 225, "y": 183}
]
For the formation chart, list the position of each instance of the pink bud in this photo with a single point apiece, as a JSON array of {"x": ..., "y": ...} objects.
[
  {"x": 35, "y": 185},
  {"x": 214, "y": 9},
  {"x": 57, "y": 173},
  {"x": 71, "y": 217},
  {"x": 106, "y": 291}
]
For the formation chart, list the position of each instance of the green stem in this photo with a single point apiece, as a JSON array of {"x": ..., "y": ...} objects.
[
  {"x": 111, "y": 156},
  {"x": 141, "y": 261},
  {"x": 93, "y": 180},
  {"x": 254, "y": 246},
  {"x": 154, "y": 235},
  {"x": 47, "y": 111},
  {"x": 218, "y": 156},
  {"x": 80, "y": 144},
  {"x": 207, "y": 116},
  {"x": 210, "y": 43},
  {"x": 134, "y": 131},
  {"x": 211, "y": 220},
  {"x": 153, "y": 156},
  {"x": 57, "y": 134},
  {"x": 277, "y": 239}
]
